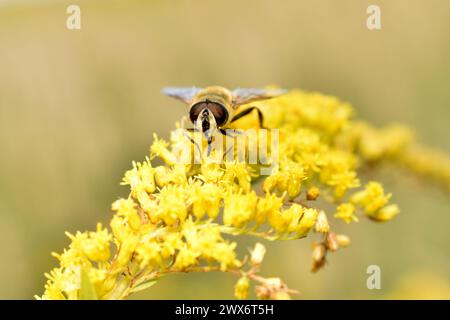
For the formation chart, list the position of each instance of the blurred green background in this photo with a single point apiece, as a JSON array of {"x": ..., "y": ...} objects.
[{"x": 77, "y": 106}]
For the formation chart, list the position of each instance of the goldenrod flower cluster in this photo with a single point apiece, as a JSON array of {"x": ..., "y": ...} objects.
[{"x": 186, "y": 217}]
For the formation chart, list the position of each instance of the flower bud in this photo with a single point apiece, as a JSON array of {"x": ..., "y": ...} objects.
[
  {"x": 385, "y": 214},
  {"x": 241, "y": 288},
  {"x": 342, "y": 240},
  {"x": 262, "y": 292},
  {"x": 312, "y": 194},
  {"x": 331, "y": 242},
  {"x": 307, "y": 221},
  {"x": 274, "y": 283},
  {"x": 257, "y": 254},
  {"x": 318, "y": 252},
  {"x": 322, "y": 224},
  {"x": 318, "y": 257}
]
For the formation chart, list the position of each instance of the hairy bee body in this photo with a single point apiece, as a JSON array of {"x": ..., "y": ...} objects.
[{"x": 217, "y": 100}]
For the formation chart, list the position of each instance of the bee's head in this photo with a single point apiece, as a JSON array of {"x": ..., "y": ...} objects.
[
  {"x": 209, "y": 111},
  {"x": 205, "y": 121}
]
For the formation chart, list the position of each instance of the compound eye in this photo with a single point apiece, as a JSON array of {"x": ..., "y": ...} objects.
[
  {"x": 219, "y": 112},
  {"x": 196, "y": 110}
]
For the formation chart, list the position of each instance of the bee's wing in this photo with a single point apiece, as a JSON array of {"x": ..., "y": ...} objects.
[
  {"x": 184, "y": 94},
  {"x": 243, "y": 96}
]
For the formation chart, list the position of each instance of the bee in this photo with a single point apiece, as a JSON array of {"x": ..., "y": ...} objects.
[{"x": 216, "y": 107}]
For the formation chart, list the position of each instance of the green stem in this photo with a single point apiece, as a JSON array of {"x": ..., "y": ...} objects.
[{"x": 120, "y": 289}]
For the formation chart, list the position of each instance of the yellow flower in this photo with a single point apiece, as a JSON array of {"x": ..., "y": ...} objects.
[
  {"x": 375, "y": 202},
  {"x": 313, "y": 193},
  {"x": 268, "y": 206},
  {"x": 149, "y": 254},
  {"x": 172, "y": 204},
  {"x": 97, "y": 276},
  {"x": 205, "y": 200},
  {"x": 342, "y": 181},
  {"x": 63, "y": 283},
  {"x": 237, "y": 172},
  {"x": 148, "y": 204},
  {"x": 179, "y": 217},
  {"x": 186, "y": 258},
  {"x": 52, "y": 290},
  {"x": 171, "y": 242},
  {"x": 386, "y": 213},
  {"x": 159, "y": 149},
  {"x": 239, "y": 209},
  {"x": 225, "y": 254},
  {"x": 288, "y": 178},
  {"x": 295, "y": 177},
  {"x": 126, "y": 250},
  {"x": 120, "y": 229},
  {"x": 141, "y": 177},
  {"x": 162, "y": 176},
  {"x": 307, "y": 221},
  {"x": 205, "y": 241},
  {"x": 285, "y": 220},
  {"x": 346, "y": 212},
  {"x": 75, "y": 254},
  {"x": 97, "y": 245},
  {"x": 375, "y": 144},
  {"x": 241, "y": 288},
  {"x": 211, "y": 172},
  {"x": 127, "y": 208}
]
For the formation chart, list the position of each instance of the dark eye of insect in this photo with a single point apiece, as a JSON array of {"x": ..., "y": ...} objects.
[
  {"x": 219, "y": 112},
  {"x": 195, "y": 111}
]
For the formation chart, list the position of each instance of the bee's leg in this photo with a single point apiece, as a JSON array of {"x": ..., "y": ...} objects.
[
  {"x": 192, "y": 140},
  {"x": 208, "y": 153},
  {"x": 246, "y": 112},
  {"x": 227, "y": 132}
]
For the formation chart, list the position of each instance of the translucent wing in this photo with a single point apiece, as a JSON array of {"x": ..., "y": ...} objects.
[
  {"x": 243, "y": 96},
  {"x": 184, "y": 94}
]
